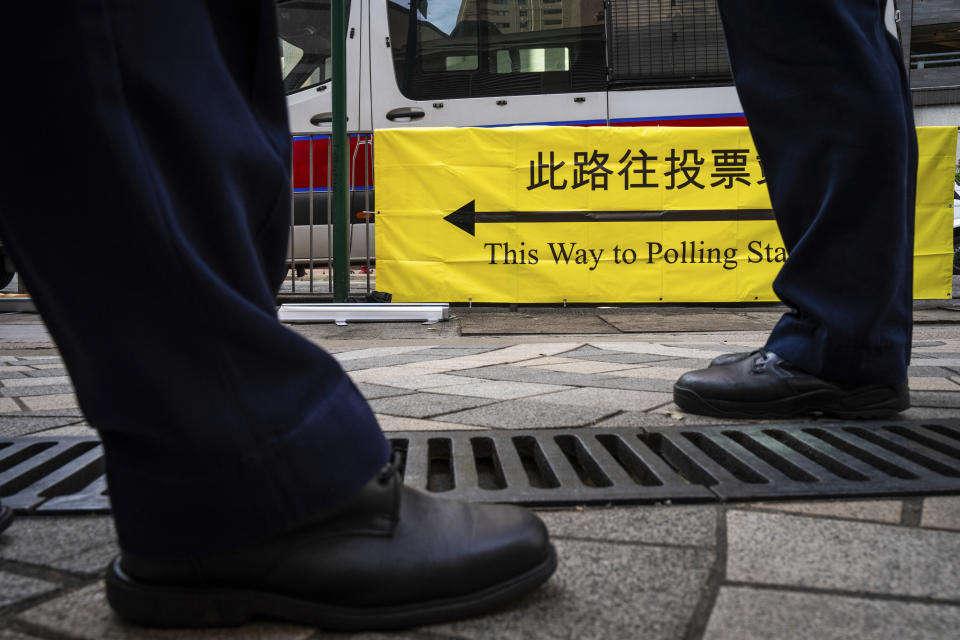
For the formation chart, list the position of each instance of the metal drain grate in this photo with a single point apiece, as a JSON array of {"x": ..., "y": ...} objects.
[
  {"x": 53, "y": 475},
  {"x": 597, "y": 466},
  {"x": 585, "y": 466}
]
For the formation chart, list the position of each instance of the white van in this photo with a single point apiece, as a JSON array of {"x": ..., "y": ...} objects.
[{"x": 420, "y": 63}]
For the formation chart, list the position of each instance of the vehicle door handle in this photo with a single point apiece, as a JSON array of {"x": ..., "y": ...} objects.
[
  {"x": 405, "y": 112},
  {"x": 323, "y": 118}
]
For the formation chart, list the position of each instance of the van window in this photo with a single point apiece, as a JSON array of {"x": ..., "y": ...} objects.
[
  {"x": 304, "y": 27},
  {"x": 471, "y": 48},
  {"x": 667, "y": 43}
]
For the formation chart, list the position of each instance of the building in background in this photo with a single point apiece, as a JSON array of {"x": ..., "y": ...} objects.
[
  {"x": 514, "y": 16},
  {"x": 930, "y": 32}
]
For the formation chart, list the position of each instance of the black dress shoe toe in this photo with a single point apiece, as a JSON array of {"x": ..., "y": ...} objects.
[
  {"x": 764, "y": 385},
  {"x": 392, "y": 557},
  {"x": 730, "y": 358}
]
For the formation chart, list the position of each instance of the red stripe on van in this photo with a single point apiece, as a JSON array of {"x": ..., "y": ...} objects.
[
  {"x": 321, "y": 178},
  {"x": 722, "y": 121}
]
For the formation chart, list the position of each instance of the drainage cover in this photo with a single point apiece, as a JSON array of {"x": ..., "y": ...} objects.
[
  {"x": 585, "y": 466},
  {"x": 53, "y": 474}
]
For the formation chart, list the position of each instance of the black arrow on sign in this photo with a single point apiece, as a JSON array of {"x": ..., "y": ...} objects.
[{"x": 466, "y": 218}]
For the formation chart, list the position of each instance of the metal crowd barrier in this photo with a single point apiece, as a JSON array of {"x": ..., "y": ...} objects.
[
  {"x": 925, "y": 60},
  {"x": 310, "y": 266}
]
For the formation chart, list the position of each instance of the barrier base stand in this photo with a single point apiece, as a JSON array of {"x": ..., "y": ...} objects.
[
  {"x": 14, "y": 302},
  {"x": 428, "y": 313}
]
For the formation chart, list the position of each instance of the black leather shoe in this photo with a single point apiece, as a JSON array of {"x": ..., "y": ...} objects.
[
  {"x": 765, "y": 385},
  {"x": 6, "y": 517},
  {"x": 390, "y": 558}
]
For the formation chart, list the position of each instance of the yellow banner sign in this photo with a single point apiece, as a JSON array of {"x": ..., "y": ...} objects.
[{"x": 603, "y": 214}]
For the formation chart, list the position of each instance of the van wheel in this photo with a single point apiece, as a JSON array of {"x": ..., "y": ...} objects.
[
  {"x": 6, "y": 269},
  {"x": 7, "y": 276}
]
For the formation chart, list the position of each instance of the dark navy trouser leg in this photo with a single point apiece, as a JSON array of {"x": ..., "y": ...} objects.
[
  {"x": 145, "y": 202},
  {"x": 825, "y": 94}
]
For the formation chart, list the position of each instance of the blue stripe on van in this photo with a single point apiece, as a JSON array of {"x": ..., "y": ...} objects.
[
  {"x": 698, "y": 116},
  {"x": 319, "y": 136},
  {"x": 560, "y": 123},
  {"x": 325, "y": 189}
]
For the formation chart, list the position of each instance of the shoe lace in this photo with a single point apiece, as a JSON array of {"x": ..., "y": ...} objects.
[
  {"x": 760, "y": 360},
  {"x": 393, "y": 468}
]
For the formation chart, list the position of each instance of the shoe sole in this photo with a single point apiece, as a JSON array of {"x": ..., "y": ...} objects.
[
  {"x": 6, "y": 517},
  {"x": 864, "y": 404},
  {"x": 172, "y": 606}
]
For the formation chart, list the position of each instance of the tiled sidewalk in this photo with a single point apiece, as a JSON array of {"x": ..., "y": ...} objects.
[
  {"x": 828, "y": 569},
  {"x": 525, "y": 385},
  {"x": 862, "y": 569},
  {"x": 584, "y": 383}
]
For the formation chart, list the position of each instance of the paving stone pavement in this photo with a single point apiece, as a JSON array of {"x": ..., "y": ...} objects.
[{"x": 832, "y": 568}]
